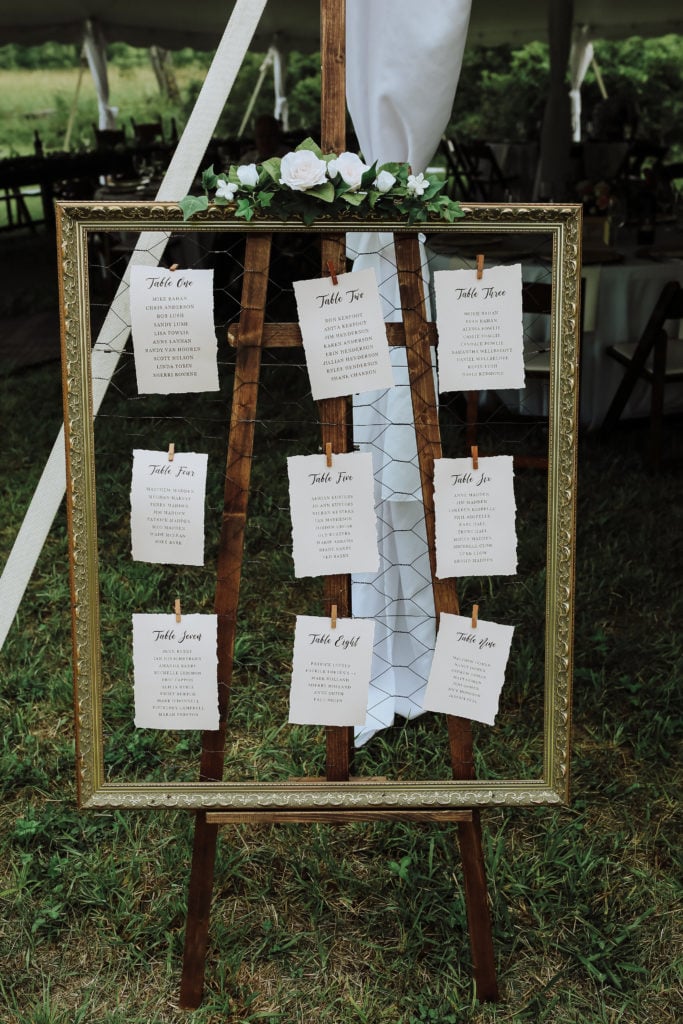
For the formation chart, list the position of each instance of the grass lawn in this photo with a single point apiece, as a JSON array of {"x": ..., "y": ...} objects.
[{"x": 360, "y": 923}]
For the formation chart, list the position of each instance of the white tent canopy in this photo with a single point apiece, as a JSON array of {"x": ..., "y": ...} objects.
[{"x": 174, "y": 24}]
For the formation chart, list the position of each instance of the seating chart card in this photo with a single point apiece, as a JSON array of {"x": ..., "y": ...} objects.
[
  {"x": 481, "y": 337},
  {"x": 344, "y": 335},
  {"x": 173, "y": 333},
  {"x": 331, "y": 671},
  {"x": 468, "y": 669},
  {"x": 334, "y": 527},
  {"x": 167, "y": 507},
  {"x": 475, "y": 517},
  {"x": 175, "y": 672}
]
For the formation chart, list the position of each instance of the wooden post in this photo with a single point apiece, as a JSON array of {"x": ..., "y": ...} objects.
[
  {"x": 445, "y": 600},
  {"x": 333, "y": 412},
  {"x": 229, "y": 569}
]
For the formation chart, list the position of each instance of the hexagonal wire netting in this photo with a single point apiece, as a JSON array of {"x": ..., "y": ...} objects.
[{"x": 398, "y": 597}]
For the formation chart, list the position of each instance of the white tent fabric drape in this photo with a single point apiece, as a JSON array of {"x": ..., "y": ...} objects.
[
  {"x": 281, "y": 111},
  {"x": 95, "y": 50},
  {"x": 401, "y": 74},
  {"x": 580, "y": 57}
]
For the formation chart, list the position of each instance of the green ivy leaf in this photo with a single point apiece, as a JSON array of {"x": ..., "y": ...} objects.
[
  {"x": 209, "y": 179},
  {"x": 311, "y": 146},
  {"x": 392, "y": 167},
  {"x": 264, "y": 199},
  {"x": 272, "y": 168},
  {"x": 354, "y": 198},
  {"x": 193, "y": 204},
  {"x": 324, "y": 192},
  {"x": 244, "y": 209},
  {"x": 368, "y": 177}
]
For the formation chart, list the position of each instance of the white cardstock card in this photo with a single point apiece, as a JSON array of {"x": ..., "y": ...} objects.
[
  {"x": 468, "y": 668},
  {"x": 334, "y": 527},
  {"x": 167, "y": 507},
  {"x": 481, "y": 336},
  {"x": 331, "y": 671},
  {"x": 344, "y": 335},
  {"x": 175, "y": 672},
  {"x": 174, "y": 340},
  {"x": 475, "y": 517}
]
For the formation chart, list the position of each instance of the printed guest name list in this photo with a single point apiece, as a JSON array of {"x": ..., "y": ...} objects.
[
  {"x": 344, "y": 335},
  {"x": 481, "y": 337},
  {"x": 173, "y": 334},
  {"x": 475, "y": 517}
]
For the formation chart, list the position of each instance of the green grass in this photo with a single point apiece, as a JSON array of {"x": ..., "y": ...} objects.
[{"x": 361, "y": 922}]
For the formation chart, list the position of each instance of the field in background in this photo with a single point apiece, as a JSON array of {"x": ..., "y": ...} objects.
[{"x": 41, "y": 100}]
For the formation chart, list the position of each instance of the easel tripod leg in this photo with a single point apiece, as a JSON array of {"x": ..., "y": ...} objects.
[
  {"x": 478, "y": 915},
  {"x": 198, "y": 912}
]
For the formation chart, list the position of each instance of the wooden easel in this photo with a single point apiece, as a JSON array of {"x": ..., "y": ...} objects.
[{"x": 250, "y": 339}]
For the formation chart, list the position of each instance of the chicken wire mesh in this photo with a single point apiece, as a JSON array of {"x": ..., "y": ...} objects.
[{"x": 259, "y": 743}]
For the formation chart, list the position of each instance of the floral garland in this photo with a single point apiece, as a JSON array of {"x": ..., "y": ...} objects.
[{"x": 307, "y": 183}]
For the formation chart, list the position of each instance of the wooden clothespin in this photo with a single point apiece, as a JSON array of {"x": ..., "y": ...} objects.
[
  {"x": 176, "y": 608},
  {"x": 171, "y": 452},
  {"x": 328, "y": 454},
  {"x": 173, "y": 267},
  {"x": 475, "y": 615},
  {"x": 333, "y": 617},
  {"x": 333, "y": 272},
  {"x": 475, "y": 456},
  {"x": 480, "y": 266}
]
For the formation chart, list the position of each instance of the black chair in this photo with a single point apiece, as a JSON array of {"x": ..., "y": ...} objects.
[
  {"x": 147, "y": 132},
  {"x": 655, "y": 358},
  {"x": 476, "y": 171},
  {"x": 109, "y": 138},
  {"x": 537, "y": 299}
]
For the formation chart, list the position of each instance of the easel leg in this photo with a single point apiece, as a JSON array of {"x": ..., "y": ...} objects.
[
  {"x": 198, "y": 912},
  {"x": 445, "y": 600},
  {"x": 478, "y": 916}
]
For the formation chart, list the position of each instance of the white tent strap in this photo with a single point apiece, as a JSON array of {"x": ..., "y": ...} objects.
[{"x": 111, "y": 339}]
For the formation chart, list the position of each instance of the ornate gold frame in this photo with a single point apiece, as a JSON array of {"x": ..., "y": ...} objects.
[{"x": 75, "y": 221}]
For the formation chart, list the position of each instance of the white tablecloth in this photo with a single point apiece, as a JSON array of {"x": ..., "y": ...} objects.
[{"x": 618, "y": 300}]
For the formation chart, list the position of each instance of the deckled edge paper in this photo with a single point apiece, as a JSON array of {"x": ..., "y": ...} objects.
[
  {"x": 331, "y": 671},
  {"x": 480, "y": 328},
  {"x": 468, "y": 668},
  {"x": 175, "y": 668},
  {"x": 174, "y": 340},
  {"x": 167, "y": 500},
  {"x": 475, "y": 517},
  {"x": 334, "y": 526},
  {"x": 344, "y": 334}
]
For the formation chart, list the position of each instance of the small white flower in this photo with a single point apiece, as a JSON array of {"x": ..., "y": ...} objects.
[
  {"x": 384, "y": 181},
  {"x": 248, "y": 175},
  {"x": 225, "y": 189},
  {"x": 417, "y": 185},
  {"x": 302, "y": 170},
  {"x": 350, "y": 167}
]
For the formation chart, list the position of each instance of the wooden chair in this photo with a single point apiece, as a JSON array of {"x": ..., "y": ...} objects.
[
  {"x": 655, "y": 358},
  {"x": 109, "y": 138},
  {"x": 148, "y": 132}
]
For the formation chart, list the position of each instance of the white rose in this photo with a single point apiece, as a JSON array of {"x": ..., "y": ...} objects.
[
  {"x": 384, "y": 181},
  {"x": 225, "y": 189},
  {"x": 248, "y": 175},
  {"x": 350, "y": 167},
  {"x": 302, "y": 170},
  {"x": 417, "y": 185}
]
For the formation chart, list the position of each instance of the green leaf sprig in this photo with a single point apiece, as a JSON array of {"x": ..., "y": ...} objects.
[{"x": 309, "y": 184}]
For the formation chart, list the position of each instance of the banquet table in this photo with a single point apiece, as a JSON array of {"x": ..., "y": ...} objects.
[{"x": 619, "y": 291}]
